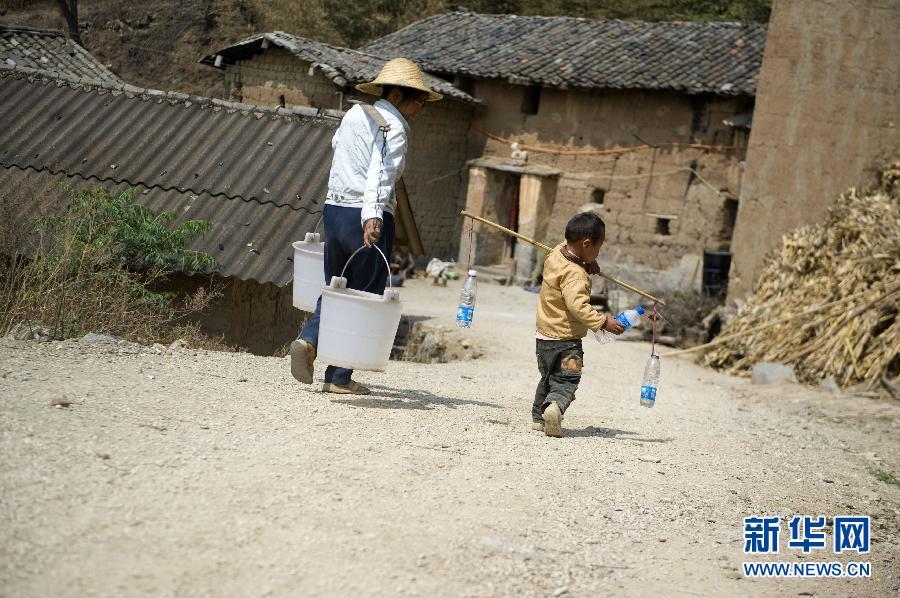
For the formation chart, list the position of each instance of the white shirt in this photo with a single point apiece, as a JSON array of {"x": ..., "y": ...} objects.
[{"x": 356, "y": 179}]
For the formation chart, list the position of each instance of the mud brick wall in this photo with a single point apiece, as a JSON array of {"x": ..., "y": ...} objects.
[
  {"x": 254, "y": 317},
  {"x": 276, "y": 73},
  {"x": 698, "y": 217},
  {"x": 435, "y": 174},
  {"x": 827, "y": 112}
]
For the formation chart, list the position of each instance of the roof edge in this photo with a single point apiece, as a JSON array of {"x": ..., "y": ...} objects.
[
  {"x": 27, "y": 29},
  {"x": 512, "y": 80},
  {"x": 74, "y": 48},
  {"x": 92, "y": 85},
  {"x": 469, "y": 13},
  {"x": 335, "y": 74}
]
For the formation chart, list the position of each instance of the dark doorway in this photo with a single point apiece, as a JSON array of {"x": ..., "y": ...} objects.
[
  {"x": 729, "y": 217},
  {"x": 513, "y": 222},
  {"x": 501, "y": 205},
  {"x": 715, "y": 273}
]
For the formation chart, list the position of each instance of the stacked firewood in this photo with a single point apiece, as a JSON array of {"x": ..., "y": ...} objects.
[{"x": 827, "y": 303}]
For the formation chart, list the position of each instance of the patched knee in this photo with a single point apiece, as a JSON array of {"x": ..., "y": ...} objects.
[{"x": 571, "y": 365}]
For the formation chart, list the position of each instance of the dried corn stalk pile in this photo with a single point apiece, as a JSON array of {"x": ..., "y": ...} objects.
[{"x": 852, "y": 260}]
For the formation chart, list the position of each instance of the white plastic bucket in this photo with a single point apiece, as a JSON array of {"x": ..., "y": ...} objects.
[
  {"x": 309, "y": 271},
  {"x": 357, "y": 329}
]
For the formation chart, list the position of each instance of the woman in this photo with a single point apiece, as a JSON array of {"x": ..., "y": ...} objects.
[{"x": 359, "y": 210}]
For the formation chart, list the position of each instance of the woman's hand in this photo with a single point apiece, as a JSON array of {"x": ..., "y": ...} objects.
[{"x": 371, "y": 231}]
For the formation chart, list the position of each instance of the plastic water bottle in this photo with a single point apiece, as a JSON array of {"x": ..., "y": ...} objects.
[
  {"x": 604, "y": 336},
  {"x": 466, "y": 302},
  {"x": 630, "y": 317},
  {"x": 651, "y": 382}
]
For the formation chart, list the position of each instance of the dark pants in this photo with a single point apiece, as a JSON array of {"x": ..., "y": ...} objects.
[
  {"x": 559, "y": 363},
  {"x": 367, "y": 271}
]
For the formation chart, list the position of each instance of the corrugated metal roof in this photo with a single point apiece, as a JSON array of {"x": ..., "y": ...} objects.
[
  {"x": 50, "y": 52},
  {"x": 344, "y": 66},
  {"x": 254, "y": 173},
  {"x": 164, "y": 139},
  {"x": 250, "y": 241},
  {"x": 692, "y": 57}
]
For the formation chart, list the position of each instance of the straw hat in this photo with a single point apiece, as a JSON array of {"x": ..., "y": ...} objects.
[{"x": 401, "y": 72}]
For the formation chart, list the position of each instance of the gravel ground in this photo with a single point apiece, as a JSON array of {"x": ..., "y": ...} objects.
[{"x": 182, "y": 473}]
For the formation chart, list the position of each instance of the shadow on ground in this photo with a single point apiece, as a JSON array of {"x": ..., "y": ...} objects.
[
  {"x": 596, "y": 432},
  {"x": 383, "y": 397}
]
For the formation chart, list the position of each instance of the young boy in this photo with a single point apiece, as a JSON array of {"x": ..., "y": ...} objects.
[{"x": 564, "y": 317}]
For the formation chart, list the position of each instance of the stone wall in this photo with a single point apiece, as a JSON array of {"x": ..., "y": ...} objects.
[
  {"x": 435, "y": 174},
  {"x": 657, "y": 224},
  {"x": 827, "y": 113}
]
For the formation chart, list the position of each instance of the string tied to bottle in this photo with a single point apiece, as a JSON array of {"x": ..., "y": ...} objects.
[{"x": 470, "y": 230}]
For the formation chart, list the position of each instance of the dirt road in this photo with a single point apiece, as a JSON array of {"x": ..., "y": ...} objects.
[{"x": 175, "y": 473}]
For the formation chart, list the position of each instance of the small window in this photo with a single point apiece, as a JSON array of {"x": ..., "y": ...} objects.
[
  {"x": 531, "y": 99},
  {"x": 730, "y": 217},
  {"x": 662, "y": 226},
  {"x": 598, "y": 196}
]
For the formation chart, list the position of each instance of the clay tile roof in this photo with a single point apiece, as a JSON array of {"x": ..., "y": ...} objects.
[
  {"x": 691, "y": 57},
  {"x": 51, "y": 53},
  {"x": 342, "y": 65},
  {"x": 259, "y": 175}
]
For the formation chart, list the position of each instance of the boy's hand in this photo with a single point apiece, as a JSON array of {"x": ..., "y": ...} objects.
[{"x": 613, "y": 325}]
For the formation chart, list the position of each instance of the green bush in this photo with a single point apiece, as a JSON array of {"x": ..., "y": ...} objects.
[
  {"x": 94, "y": 267},
  {"x": 125, "y": 233}
]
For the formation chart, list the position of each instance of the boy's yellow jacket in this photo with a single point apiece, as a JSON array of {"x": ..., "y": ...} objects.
[{"x": 564, "y": 309}]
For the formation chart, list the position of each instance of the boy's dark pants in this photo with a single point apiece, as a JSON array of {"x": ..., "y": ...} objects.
[{"x": 560, "y": 364}]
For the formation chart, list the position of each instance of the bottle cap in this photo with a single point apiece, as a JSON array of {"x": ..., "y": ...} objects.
[
  {"x": 640, "y": 309},
  {"x": 472, "y": 272}
]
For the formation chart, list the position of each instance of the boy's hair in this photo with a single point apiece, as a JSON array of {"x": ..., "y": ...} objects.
[
  {"x": 586, "y": 225},
  {"x": 407, "y": 93}
]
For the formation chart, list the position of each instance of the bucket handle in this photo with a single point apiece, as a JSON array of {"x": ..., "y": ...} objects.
[
  {"x": 352, "y": 255},
  {"x": 319, "y": 222}
]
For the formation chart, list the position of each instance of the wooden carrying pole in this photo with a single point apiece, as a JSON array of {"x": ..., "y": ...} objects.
[{"x": 548, "y": 249}]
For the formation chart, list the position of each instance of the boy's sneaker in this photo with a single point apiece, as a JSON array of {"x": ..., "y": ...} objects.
[
  {"x": 553, "y": 420},
  {"x": 538, "y": 426},
  {"x": 303, "y": 358}
]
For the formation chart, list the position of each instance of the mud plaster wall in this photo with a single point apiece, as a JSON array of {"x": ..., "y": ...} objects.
[
  {"x": 827, "y": 112},
  {"x": 435, "y": 174},
  {"x": 594, "y": 120},
  {"x": 259, "y": 318}
]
